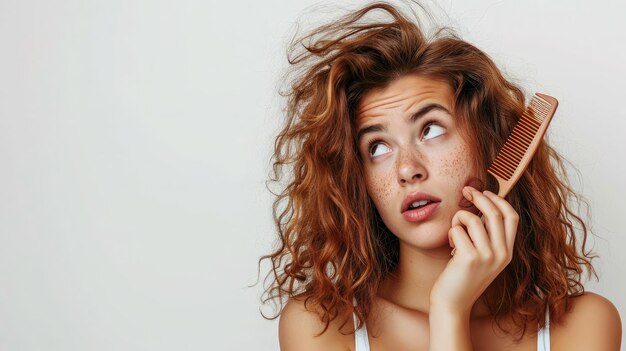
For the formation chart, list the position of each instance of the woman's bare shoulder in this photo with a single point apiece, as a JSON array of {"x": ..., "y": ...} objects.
[
  {"x": 592, "y": 324},
  {"x": 298, "y": 329}
]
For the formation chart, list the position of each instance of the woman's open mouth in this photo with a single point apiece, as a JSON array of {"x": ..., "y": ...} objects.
[{"x": 421, "y": 212}]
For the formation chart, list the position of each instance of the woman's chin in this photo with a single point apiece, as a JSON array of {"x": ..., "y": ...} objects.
[{"x": 434, "y": 238}]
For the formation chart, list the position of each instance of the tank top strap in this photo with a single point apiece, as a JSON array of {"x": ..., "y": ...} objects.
[
  {"x": 361, "y": 340},
  {"x": 543, "y": 338}
]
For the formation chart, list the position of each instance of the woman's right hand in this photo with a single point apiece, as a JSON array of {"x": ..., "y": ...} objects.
[{"x": 481, "y": 251}]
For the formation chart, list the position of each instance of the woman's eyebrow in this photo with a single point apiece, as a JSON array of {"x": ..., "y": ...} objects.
[{"x": 414, "y": 117}]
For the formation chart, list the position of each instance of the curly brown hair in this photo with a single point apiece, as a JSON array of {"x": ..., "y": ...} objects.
[{"x": 333, "y": 245}]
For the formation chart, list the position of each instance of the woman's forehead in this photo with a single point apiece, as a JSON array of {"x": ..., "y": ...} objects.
[{"x": 403, "y": 93}]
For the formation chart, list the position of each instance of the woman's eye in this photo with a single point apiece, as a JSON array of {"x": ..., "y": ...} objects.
[
  {"x": 375, "y": 146},
  {"x": 432, "y": 130}
]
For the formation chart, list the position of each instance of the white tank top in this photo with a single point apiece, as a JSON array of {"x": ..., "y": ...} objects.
[{"x": 362, "y": 342}]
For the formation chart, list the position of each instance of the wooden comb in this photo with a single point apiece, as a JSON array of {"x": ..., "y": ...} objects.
[{"x": 522, "y": 143}]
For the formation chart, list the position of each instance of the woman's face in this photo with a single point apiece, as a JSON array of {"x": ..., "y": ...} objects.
[{"x": 409, "y": 142}]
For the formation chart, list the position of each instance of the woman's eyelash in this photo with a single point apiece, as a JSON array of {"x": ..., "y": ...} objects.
[
  {"x": 428, "y": 123},
  {"x": 372, "y": 143}
]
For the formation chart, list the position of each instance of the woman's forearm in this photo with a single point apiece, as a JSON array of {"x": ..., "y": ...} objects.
[{"x": 449, "y": 330}]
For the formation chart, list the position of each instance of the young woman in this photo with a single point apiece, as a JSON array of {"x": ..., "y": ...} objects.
[{"x": 391, "y": 235}]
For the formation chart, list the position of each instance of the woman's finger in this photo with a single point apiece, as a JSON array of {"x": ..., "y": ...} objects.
[
  {"x": 511, "y": 218},
  {"x": 492, "y": 215},
  {"x": 475, "y": 229},
  {"x": 460, "y": 241}
]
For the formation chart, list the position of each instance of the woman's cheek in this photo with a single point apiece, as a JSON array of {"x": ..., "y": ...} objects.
[
  {"x": 379, "y": 188},
  {"x": 455, "y": 167},
  {"x": 458, "y": 169}
]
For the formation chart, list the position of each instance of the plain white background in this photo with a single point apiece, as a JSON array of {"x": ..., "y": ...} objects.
[{"x": 135, "y": 139}]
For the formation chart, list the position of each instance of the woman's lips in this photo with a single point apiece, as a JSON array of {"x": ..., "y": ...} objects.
[{"x": 421, "y": 214}]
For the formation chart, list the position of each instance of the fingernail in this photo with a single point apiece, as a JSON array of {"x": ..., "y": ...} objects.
[
  {"x": 488, "y": 193},
  {"x": 467, "y": 193}
]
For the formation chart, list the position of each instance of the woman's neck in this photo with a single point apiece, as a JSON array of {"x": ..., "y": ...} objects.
[{"x": 409, "y": 286}]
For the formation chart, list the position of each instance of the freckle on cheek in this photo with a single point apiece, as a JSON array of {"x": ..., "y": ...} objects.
[
  {"x": 451, "y": 167},
  {"x": 381, "y": 192}
]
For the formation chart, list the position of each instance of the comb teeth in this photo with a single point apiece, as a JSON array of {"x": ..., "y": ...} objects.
[{"x": 518, "y": 142}]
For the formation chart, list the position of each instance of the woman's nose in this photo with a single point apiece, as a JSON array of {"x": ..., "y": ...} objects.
[{"x": 411, "y": 168}]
